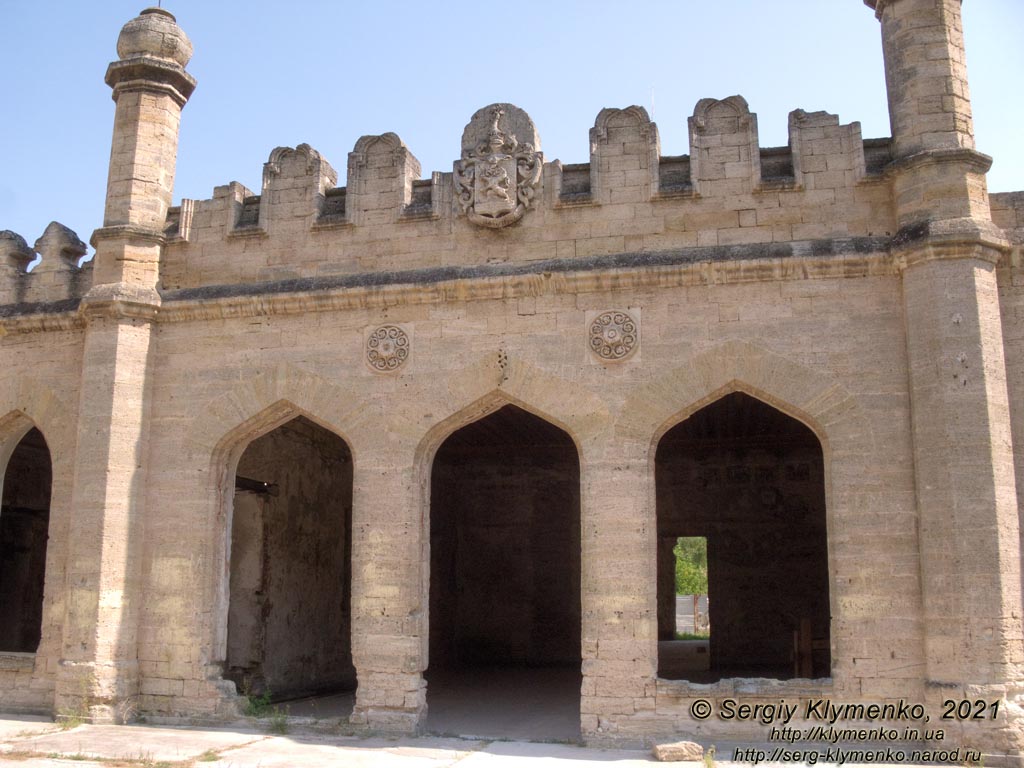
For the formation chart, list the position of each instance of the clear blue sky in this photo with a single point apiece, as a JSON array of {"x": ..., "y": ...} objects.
[{"x": 325, "y": 73}]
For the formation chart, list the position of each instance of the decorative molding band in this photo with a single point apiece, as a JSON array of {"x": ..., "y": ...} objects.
[{"x": 715, "y": 265}]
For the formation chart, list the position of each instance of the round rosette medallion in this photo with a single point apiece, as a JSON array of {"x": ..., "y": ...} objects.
[
  {"x": 613, "y": 335},
  {"x": 387, "y": 348}
]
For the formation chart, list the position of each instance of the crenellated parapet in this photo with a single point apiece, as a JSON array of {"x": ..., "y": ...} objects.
[
  {"x": 503, "y": 202},
  {"x": 56, "y": 277}
]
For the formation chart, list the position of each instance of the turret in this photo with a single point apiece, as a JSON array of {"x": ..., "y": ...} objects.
[
  {"x": 150, "y": 87},
  {"x": 939, "y": 176},
  {"x": 99, "y": 669},
  {"x": 948, "y": 247}
]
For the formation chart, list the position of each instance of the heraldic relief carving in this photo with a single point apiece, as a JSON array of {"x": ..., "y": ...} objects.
[{"x": 501, "y": 166}]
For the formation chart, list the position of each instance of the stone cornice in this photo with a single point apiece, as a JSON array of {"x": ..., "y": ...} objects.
[
  {"x": 147, "y": 73},
  {"x": 815, "y": 259},
  {"x": 978, "y": 162},
  {"x": 848, "y": 257},
  {"x": 950, "y": 239},
  {"x": 878, "y": 6},
  {"x": 120, "y": 300},
  {"x": 129, "y": 232},
  {"x": 949, "y": 252},
  {"x": 36, "y": 318}
]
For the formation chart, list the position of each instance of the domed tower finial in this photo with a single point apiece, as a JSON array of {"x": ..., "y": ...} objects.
[{"x": 155, "y": 32}]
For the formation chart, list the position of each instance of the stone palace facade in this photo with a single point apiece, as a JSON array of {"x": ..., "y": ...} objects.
[{"x": 317, "y": 438}]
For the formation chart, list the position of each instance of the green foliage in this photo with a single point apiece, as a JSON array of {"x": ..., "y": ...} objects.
[
  {"x": 691, "y": 565},
  {"x": 255, "y": 706},
  {"x": 279, "y": 720},
  {"x": 692, "y": 635}
]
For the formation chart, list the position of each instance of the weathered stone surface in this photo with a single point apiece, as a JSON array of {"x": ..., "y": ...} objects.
[{"x": 679, "y": 751}]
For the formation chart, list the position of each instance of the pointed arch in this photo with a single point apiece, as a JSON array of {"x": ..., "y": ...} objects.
[
  {"x": 32, "y": 399},
  {"x": 481, "y": 389},
  {"x": 253, "y": 405},
  {"x": 27, "y": 403},
  {"x": 220, "y": 432},
  {"x": 748, "y": 481},
  {"x": 26, "y": 489},
  {"x": 13, "y": 427},
  {"x": 502, "y": 578},
  {"x": 812, "y": 397},
  {"x": 808, "y": 395}
]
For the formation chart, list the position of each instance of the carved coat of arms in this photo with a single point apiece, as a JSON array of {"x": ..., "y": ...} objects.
[{"x": 498, "y": 175}]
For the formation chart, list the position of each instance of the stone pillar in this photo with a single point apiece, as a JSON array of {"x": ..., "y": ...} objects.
[
  {"x": 99, "y": 676},
  {"x": 963, "y": 453},
  {"x": 620, "y": 626},
  {"x": 389, "y": 588}
]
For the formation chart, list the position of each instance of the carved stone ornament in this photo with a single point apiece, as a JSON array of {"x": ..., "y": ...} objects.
[
  {"x": 501, "y": 166},
  {"x": 613, "y": 335},
  {"x": 387, "y": 348}
]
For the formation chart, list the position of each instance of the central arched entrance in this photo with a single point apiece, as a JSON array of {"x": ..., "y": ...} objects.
[{"x": 505, "y": 580}]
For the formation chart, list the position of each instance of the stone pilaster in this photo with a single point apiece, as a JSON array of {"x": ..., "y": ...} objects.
[
  {"x": 389, "y": 590},
  {"x": 963, "y": 454},
  {"x": 99, "y": 669},
  {"x": 619, "y": 531},
  {"x": 99, "y": 676}
]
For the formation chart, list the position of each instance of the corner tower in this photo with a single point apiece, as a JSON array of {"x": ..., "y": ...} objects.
[
  {"x": 99, "y": 672},
  {"x": 948, "y": 248}
]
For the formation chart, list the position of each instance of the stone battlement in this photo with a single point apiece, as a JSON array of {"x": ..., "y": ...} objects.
[
  {"x": 56, "y": 277},
  {"x": 827, "y": 183},
  {"x": 728, "y": 191}
]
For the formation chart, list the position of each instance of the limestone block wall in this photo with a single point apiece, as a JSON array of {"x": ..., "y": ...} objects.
[
  {"x": 828, "y": 351},
  {"x": 633, "y": 291},
  {"x": 39, "y": 388},
  {"x": 612, "y": 299}
]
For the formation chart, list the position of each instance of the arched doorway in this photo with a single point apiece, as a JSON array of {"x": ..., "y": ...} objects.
[
  {"x": 24, "y": 526},
  {"x": 289, "y": 615},
  {"x": 505, "y": 580},
  {"x": 746, "y": 483}
]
